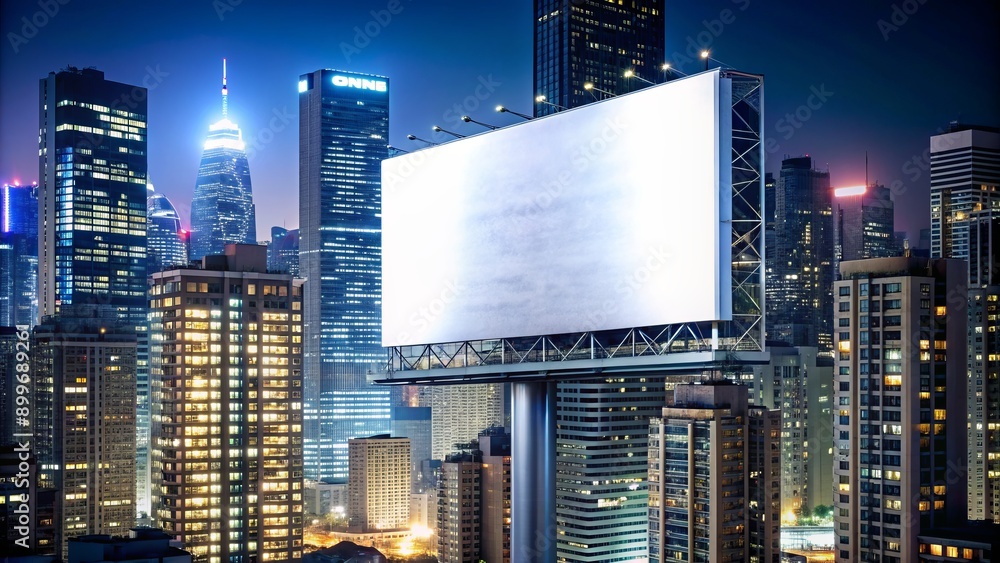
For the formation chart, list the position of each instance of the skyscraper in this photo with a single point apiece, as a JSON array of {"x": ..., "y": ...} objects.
[
  {"x": 85, "y": 425},
  {"x": 18, "y": 255},
  {"x": 222, "y": 211},
  {"x": 712, "y": 470},
  {"x": 415, "y": 423},
  {"x": 799, "y": 302},
  {"x": 92, "y": 212},
  {"x": 227, "y": 418},
  {"x": 92, "y": 175},
  {"x": 165, "y": 241},
  {"x": 965, "y": 224},
  {"x": 900, "y": 431},
  {"x": 343, "y": 135},
  {"x": 594, "y": 42},
  {"x": 283, "y": 251}
]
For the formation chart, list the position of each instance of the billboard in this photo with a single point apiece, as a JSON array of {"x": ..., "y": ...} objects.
[{"x": 612, "y": 215}]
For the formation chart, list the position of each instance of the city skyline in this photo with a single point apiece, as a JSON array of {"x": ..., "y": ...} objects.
[{"x": 831, "y": 68}]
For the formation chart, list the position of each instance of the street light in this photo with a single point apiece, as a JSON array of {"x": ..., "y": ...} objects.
[
  {"x": 631, "y": 74},
  {"x": 540, "y": 99},
  {"x": 416, "y": 138},
  {"x": 468, "y": 119},
  {"x": 589, "y": 86},
  {"x": 501, "y": 109},
  {"x": 397, "y": 149},
  {"x": 706, "y": 54},
  {"x": 440, "y": 130},
  {"x": 668, "y": 68}
]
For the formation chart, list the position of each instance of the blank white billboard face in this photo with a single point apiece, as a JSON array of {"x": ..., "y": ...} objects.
[{"x": 603, "y": 217}]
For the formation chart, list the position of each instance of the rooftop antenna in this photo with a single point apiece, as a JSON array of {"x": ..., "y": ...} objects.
[
  {"x": 866, "y": 168},
  {"x": 225, "y": 92}
]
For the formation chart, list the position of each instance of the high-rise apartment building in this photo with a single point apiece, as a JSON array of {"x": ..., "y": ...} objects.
[
  {"x": 595, "y": 42},
  {"x": 900, "y": 429},
  {"x": 863, "y": 224},
  {"x": 378, "y": 484},
  {"x": 473, "y": 502},
  {"x": 227, "y": 422},
  {"x": 222, "y": 210},
  {"x": 92, "y": 213},
  {"x": 18, "y": 254},
  {"x": 84, "y": 425},
  {"x": 799, "y": 383},
  {"x": 343, "y": 136},
  {"x": 799, "y": 303},
  {"x": 460, "y": 412},
  {"x": 283, "y": 251},
  {"x": 965, "y": 224},
  {"x": 164, "y": 236},
  {"x": 713, "y": 477}
]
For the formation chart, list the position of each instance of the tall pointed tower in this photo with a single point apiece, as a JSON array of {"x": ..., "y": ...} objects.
[{"x": 222, "y": 210}]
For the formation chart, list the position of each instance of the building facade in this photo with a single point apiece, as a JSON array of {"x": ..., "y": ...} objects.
[
  {"x": 863, "y": 224},
  {"x": 799, "y": 383},
  {"x": 799, "y": 302},
  {"x": 164, "y": 235},
  {"x": 460, "y": 412},
  {"x": 222, "y": 210},
  {"x": 595, "y": 42},
  {"x": 343, "y": 136},
  {"x": 415, "y": 423},
  {"x": 92, "y": 212},
  {"x": 712, "y": 477},
  {"x": 283, "y": 251},
  {"x": 900, "y": 429},
  {"x": 18, "y": 255},
  {"x": 378, "y": 484},
  {"x": 473, "y": 502},
  {"x": 227, "y": 422},
  {"x": 965, "y": 224},
  {"x": 84, "y": 428}
]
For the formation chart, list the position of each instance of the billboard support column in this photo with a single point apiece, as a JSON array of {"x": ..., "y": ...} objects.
[{"x": 533, "y": 472}]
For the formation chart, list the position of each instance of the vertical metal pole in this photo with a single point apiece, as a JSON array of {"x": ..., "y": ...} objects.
[{"x": 533, "y": 473}]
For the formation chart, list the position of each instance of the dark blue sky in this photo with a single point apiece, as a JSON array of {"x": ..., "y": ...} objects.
[{"x": 881, "y": 87}]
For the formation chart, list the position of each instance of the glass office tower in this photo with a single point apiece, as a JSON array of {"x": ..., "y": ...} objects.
[
  {"x": 18, "y": 254},
  {"x": 343, "y": 135},
  {"x": 596, "y": 42},
  {"x": 222, "y": 211},
  {"x": 165, "y": 236},
  {"x": 92, "y": 214}
]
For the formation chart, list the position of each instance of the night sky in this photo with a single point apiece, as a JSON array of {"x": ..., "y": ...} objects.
[{"x": 880, "y": 76}]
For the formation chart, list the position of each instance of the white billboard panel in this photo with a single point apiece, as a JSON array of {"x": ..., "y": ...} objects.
[{"x": 607, "y": 216}]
